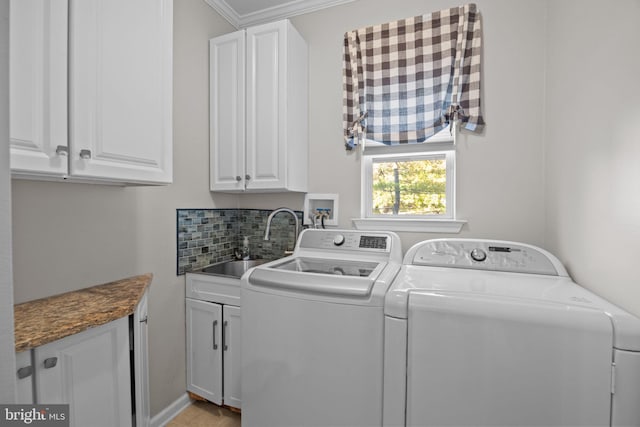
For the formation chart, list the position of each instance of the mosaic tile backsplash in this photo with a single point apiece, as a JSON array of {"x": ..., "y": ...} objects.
[{"x": 208, "y": 236}]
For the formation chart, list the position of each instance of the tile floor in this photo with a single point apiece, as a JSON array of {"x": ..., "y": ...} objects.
[{"x": 205, "y": 414}]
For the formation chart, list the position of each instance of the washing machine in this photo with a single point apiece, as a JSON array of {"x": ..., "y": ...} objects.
[
  {"x": 313, "y": 331},
  {"x": 495, "y": 333}
]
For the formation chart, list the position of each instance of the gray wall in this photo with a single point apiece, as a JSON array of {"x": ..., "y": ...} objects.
[
  {"x": 593, "y": 145},
  {"x": 194, "y": 24},
  {"x": 7, "y": 355},
  {"x": 499, "y": 173},
  {"x": 78, "y": 235},
  {"x": 71, "y": 236}
]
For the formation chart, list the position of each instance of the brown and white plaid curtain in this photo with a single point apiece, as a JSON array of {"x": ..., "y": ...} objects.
[{"x": 404, "y": 81}]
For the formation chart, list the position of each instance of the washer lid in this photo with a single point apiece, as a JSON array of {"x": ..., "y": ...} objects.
[{"x": 505, "y": 286}]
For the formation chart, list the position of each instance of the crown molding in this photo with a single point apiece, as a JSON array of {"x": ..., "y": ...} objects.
[
  {"x": 285, "y": 10},
  {"x": 225, "y": 11}
]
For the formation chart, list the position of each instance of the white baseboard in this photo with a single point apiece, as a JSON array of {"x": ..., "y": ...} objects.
[{"x": 170, "y": 412}]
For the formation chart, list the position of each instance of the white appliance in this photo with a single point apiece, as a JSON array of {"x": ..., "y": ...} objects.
[
  {"x": 312, "y": 331},
  {"x": 493, "y": 333}
]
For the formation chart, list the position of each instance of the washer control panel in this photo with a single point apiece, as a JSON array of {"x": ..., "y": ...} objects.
[
  {"x": 485, "y": 255},
  {"x": 346, "y": 240}
]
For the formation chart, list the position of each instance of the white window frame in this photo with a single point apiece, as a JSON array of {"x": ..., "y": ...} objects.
[
  {"x": 367, "y": 181},
  {"x": 440, "y": 145}
]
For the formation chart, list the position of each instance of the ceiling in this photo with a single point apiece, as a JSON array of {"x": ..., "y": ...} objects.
[{"x": 244, "y": 13}]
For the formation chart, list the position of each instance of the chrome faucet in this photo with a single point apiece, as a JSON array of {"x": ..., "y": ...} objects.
[{"x": 274, "y": 213}]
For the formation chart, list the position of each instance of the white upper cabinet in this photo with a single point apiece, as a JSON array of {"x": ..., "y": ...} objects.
[
  {"x": 259, "y": 104},
  {"x": 227, "y": 104},
  {"x": 120, "y": 69},
  {"x": 118, "y": 102},
  {"x": 38, "y": 90}
]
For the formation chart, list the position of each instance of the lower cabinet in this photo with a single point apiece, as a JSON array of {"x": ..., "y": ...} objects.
[
  {"x": 213, "y": 351},
  {"x": 102, "y": 373},
  {"x": 90, "y": 371}
]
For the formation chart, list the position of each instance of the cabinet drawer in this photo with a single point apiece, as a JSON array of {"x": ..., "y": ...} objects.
[{"x": 223, "y": 290}]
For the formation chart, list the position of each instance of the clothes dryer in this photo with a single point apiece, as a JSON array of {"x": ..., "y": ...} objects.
[{"x": 494, "y": 333}]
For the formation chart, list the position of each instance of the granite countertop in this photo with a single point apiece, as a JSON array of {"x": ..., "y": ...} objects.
[{"x": 49, "y": 319}]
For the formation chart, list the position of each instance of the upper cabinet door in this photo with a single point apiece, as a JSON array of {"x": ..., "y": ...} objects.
[
  {"x": 266, "y": 106},
  {"x": 38, "y": 90},
  {"x": 120, "y": 94},
  {"x": 227, "y": 99}
]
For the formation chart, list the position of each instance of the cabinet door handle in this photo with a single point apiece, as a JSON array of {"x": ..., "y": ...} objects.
[
  {"x": 62, "y": 150},
  {"x": 215, "y": 325},
  {"x": 50, "y": 362},
  {"x": 247, "y": 177},
  {"x": 25, "y": 372},
  {"x": 238, "y": 178},
  {"x": 85, "y": 154},
  {"x": 145, "y": 320},
  {"x": 224, "y": 335}
]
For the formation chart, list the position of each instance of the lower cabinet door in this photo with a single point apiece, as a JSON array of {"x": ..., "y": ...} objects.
[
  {"x": 91, "y": 372},
  {"x": 24, "y": 383},
  {"x": 141, "y": 363},
  {"x": 204, "y": 349},
  {"x": 232, "y": 352}
]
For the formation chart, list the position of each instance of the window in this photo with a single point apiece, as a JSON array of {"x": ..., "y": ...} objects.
[
  {"x": 401, "y": 85},
  {"x": 409, "y": 187},
  {"x": 414, "y": 181}
]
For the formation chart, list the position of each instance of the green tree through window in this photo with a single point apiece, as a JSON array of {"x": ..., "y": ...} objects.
[{"x": 409, "y": 187}]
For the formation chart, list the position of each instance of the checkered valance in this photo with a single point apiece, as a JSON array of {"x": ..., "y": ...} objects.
[{"x": 406, "y": 80}]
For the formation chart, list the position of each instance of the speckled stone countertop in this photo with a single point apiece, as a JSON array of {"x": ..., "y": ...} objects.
[{"x": 45, "y": 320}]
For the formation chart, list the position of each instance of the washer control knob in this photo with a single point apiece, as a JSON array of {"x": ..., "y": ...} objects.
[
  {"x": 478, "y": 255},
  {"x": 338, "y": 239}
]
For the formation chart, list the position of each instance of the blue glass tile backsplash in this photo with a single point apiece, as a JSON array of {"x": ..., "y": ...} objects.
[{"x": 208, "y": 236}]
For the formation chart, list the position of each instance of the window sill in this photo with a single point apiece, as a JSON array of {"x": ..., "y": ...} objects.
[{"x": 413, "y": 225}]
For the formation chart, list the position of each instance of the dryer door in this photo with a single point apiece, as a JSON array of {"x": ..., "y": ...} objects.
[{"x": 483, "y": 360}]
